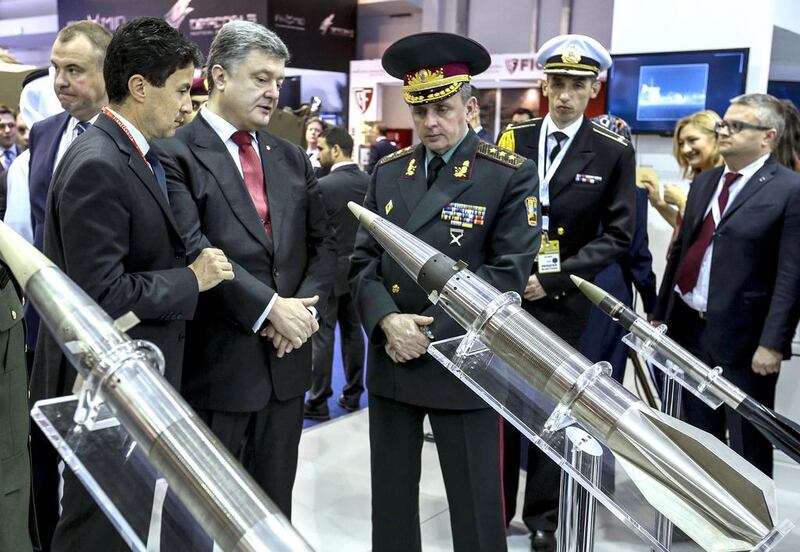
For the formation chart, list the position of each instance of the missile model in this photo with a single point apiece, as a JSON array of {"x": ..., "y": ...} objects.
[
  {"x": 218, "y": 492},
  {"x": 717, "y": 498},
  {"x": 781, "y": 432}
]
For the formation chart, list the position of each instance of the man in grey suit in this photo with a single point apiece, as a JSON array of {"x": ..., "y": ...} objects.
[
  {"x": 255, "y": 195},
  {"x": 345, "y": 182},
  {"x": 109, "y": 227}
]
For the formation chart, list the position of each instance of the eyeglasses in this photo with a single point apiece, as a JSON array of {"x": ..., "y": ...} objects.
[{"x": 735, "y": 127}]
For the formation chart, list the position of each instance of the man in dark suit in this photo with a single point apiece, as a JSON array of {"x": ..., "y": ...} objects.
[
  {"x": 588, "y": 214},
  {"x": 15, "y": 473},
  {"x": 8, "y": 137},
  {"x": 255, "y": 196},
  {"x": 345, "y": 182},
  {"x": 381, "y": 145},
  {"x": 429, "y": 190},
  {"x": 731, "y": 286},
  {"x": 109, "y": 227},
  {"x": 77, "y": 59}
]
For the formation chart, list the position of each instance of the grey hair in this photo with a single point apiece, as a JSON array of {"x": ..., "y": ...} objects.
[
  {"x": 465, "y": 92},
  {"x": 236, "y": 39},
  {"x": 769, "y": 110}
]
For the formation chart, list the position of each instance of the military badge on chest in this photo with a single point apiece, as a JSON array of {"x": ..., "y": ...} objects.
[{"x": 462, "y": 217}]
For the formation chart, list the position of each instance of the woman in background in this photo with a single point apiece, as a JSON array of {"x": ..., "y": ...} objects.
[{"x": 695, "y": 147}]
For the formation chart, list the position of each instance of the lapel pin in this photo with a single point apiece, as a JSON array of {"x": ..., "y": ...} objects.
[
  {"x": 268, "y": 147},
  {"x": 388, "y": 207},
  {"x": 412, "y": 167},
  {"x": 461, "y": 172}
]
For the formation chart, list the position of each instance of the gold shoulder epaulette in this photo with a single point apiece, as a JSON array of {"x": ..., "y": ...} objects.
[
  {"x": 500, "y": 155},
  {"x": 608, "y": 134},
  {"x": 396, "y": 155}
]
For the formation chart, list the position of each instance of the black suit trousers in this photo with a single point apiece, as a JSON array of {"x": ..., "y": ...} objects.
[
  {"x": 265, "y": 442},
  {"x": 341, "y": 309},
  {"x": 467, "y": 444},
  {"x": 724, "y": 423}
]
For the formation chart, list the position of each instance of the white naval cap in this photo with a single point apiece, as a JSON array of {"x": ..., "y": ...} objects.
[{"x": 573, "y": 54}]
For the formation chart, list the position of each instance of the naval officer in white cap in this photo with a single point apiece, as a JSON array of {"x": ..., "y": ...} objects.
[{"x": 587, "y": 189}]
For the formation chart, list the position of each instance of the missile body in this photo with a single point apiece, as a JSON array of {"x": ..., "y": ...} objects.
[
  {"x": 712, "y": 494},
  {"x": 221, "y": 496},
  {"x": 781, "y": 432}
]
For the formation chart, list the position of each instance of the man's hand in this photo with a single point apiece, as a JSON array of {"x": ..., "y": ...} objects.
[
  {"x": 292, "y": 320},
  {"x": 767, "y": 361},
  {"x": 210, "y": 268},
  {"x": 533, "y": 289},
  {"x": 405, "y": 339},
  {"x": 282, "y": 345}
]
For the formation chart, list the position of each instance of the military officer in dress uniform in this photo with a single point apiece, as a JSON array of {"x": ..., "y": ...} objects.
[
  {"x": 15, "y": 467},
  {"x": 473, "y": 201},
  {"x": 588, "y": 210}
]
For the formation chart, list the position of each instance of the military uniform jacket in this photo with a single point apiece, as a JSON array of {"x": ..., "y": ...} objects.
[
  {"x": 499, "y": 247},
  {"x": 592, "y": 200}
]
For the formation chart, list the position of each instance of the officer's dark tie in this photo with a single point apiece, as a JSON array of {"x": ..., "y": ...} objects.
[
  {"x": 82, "y": 127},
  {"x": 158, "y": 170},
  {"x": 434, "y": 166},
  {"x": 690, "y": 267},
  {"x": 560, "y": 138}
]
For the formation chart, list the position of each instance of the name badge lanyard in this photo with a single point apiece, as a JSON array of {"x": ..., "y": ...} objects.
[{"x": 546, "y": 176}]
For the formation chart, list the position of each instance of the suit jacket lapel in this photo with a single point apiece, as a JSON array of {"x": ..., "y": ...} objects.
[
  {"x": 453, "y": 180},
  {"x": 278, "y": 194},
  {"x": 412, "y": 184},
  {"x": 138, "y": 165},
  {"x": 756, "y": 182},
  {"x": 213, "y": 155},
  {"x": 577, "y": 157}
]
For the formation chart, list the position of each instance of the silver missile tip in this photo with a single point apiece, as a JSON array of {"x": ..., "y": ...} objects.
[
  {"x": 23, "y": 259},
  {"x": 364, "y": 215}
]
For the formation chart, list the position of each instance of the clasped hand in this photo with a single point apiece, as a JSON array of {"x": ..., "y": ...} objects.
[{"x": 405, "y": 338}]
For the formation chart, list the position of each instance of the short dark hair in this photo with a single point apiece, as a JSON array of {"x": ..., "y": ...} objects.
[
  {"x": 337, "y": 136},
  {"x": 95, "y": 33},
  {"x": 145, "y": 46},
  {"x": 5, "y": 110},
  {"x": 523, "y": 111}
]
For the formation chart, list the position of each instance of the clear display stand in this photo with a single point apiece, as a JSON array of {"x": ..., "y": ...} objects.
[
  {"x": 114, "y": 470},
  {"x": 544, "y": 423}
]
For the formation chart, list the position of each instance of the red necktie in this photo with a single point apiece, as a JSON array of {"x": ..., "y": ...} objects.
[
  {"x": 253, "y": 176},
  {"x": 690, "y": 268}
]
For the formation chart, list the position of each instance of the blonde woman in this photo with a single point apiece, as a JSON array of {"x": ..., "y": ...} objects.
[{"x": 695, "y": 147}]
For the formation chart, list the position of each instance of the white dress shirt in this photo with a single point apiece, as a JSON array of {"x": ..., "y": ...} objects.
[
  {"x": 18, "y": 199},
  {"x": 698, "y": 297}
]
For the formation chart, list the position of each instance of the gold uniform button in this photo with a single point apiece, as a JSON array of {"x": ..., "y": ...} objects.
[
  {"x": 395, "y": 288},
  {"x": 560, "y": 231},
  {"x": 13, "y": 314}
]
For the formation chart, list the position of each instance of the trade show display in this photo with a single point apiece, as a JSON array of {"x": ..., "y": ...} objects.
[{"x": 543, "y": 387}]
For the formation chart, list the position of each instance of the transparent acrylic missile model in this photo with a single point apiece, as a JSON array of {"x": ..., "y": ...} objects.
[
  {"x": 125, "y": 375},
  {"x": 718, "y": 499},
  {"x": 705, "y": 382}
]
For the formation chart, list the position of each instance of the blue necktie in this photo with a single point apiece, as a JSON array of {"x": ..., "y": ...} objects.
[
  {"x": 82, "y": 127},
  {"x": 158, "y": 170},
  {"x": 8, "y": 157}
]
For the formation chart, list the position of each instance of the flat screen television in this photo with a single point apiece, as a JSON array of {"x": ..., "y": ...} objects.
[
  {"x": 653, "y": 91},
  {"x": 785, "y": 90}
]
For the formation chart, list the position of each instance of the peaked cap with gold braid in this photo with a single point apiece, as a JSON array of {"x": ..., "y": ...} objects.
[{"x": 434, "y": 66}]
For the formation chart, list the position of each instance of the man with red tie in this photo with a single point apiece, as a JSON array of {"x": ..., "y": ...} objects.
[
  {"x": 248, "y": 353},
  {"x": 731, "y": 286}
]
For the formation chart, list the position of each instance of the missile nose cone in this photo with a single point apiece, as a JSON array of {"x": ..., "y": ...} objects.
[
  {"x": 23, "y": 259},
  {"x": 364, "y": 215},
  {"x": 592, "y": 292}
]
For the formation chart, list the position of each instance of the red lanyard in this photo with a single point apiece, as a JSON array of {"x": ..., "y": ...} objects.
[{"x": 111, "y": 115}]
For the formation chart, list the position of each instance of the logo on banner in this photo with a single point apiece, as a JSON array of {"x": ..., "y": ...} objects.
[
  {"x": 523, "y": 64},
  {"x": 327, "y": 27},
  {"x": 290, "y": 21},
  {"x": 363, "y": 97},
  {"x": 177, "y": 13}
]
